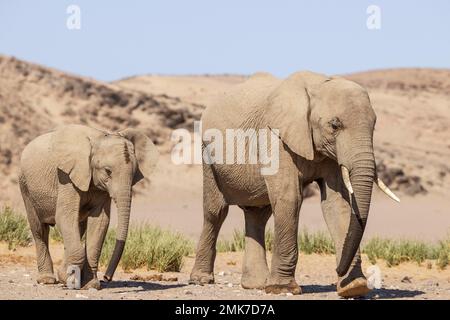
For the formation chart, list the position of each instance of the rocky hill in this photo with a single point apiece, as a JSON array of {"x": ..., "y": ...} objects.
[
  {"x": 35, "y": 99},
  {"x": 412, "y": 137}
]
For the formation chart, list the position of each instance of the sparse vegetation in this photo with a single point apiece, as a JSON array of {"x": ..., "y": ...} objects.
[
  {"x": 393, "y": 252},
  {"x": 55, "y": 235},
  {"x": 318, "y": 242},
  {"x": 150, "y": 247},
  {"x": 308, "y": 242},
  {"x": 14, "y": 228},
  {"x": 237, "y": 243},
  {"x": 154, "y": 248}
]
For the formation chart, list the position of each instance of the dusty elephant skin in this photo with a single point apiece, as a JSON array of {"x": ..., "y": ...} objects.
[
  {"x": 68, "y": 178},
  {"x": 326, "y": 126}
]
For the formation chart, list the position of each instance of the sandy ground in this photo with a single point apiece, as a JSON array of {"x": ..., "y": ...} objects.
[{"x": 315, "y": 274}]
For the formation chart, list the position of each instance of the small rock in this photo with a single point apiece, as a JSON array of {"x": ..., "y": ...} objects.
[
  {"x": 171, "y": 279},
  {"x": 230, "y": 285},
  {"x": 187, "y": 292},
  {"x": 92, "y": 289},
  {"x": 289, "y": 294},
  {"x": 80, "y": 296},
  {"x": 406, "y": 279},
  {"x": 432, "y": 283},
  {"x": 26, "y": 275},
  {"x": 221, "y": 273}
]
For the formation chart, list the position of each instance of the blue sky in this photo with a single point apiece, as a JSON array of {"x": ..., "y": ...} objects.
[{"x": 124, "y": 38}]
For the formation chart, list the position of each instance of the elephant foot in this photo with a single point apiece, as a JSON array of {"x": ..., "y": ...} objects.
[
  {"x": 94, "y": 284},
  {"x": 249, "y": 281},
  {"x": 47, "y": 279},
  {"x": 62, "y": 276},
  {"x": 290, "y": 287},
  {"x": 201, "y": 278},
  {"x": 355, "y": 288}
]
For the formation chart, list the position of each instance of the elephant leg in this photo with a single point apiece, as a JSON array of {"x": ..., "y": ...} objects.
[
  {"x": 255, "y": 270},
  {"x": 40, "y": 232},
  {"x": 215, "y": 210},
  {"x": 82, "y": 226},
  {"x": 97, "y": 226},
  {"x": 67, "y": 221},
  {"x": 337, "y": 213},
  {"x": 286, "y": 199}
]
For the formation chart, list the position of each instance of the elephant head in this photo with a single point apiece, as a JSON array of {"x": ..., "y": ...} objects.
[
  {"x": 112, "y": 162},
  {"x": 320, "y": 117}
]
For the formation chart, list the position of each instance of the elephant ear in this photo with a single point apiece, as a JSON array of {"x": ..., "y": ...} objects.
[
  {"x": 72, "y": 149},
  {"x": 287, "y": 110},
  {"x": 146, "y": 152}
]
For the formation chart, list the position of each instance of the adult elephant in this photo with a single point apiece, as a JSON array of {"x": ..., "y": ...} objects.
[
  {"x": 325, "y": 126},
  {"x": 68, "y": 177}
]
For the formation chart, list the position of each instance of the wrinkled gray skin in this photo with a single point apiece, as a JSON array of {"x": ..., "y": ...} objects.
[
  {"x": 323, "y": 123},
  {"x": 68, "y": 178}
]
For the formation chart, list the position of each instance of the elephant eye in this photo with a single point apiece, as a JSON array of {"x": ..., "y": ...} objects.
[
  {"x": 108, "y": 172},
  {"x": 335, "y": 123}
]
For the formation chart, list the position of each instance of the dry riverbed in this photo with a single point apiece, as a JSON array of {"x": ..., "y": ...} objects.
[{"x": 315, "y": 273}]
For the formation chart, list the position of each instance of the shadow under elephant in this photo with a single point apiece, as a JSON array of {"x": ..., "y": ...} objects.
[{"x": 383, "y": 293}]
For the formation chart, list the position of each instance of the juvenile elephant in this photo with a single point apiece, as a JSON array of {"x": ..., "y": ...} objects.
[
  {"x": 68, "y": 178},
  {"x": 325, "y": 126}
]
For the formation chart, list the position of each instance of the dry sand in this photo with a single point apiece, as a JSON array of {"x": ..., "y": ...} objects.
[{"x": 315, "y": 274}]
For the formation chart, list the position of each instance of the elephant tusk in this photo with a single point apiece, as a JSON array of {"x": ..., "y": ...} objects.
[
  {"x": 386, "y": 190},
  {"x": 346, "y": 178}
]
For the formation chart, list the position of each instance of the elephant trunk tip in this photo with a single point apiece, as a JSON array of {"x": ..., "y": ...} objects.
[{"x": 115, "y": 258}]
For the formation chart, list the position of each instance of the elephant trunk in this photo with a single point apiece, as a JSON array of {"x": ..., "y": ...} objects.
[
  {"x": 361, "y": 165},
  {"x": 123, "y": 218}
]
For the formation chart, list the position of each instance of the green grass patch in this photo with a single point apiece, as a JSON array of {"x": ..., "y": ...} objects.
[
  {"x": 308, "y": 242},
  {"x": 236, "y": 243},
  {"x": 149, "y": 247},
  {"x": 317, "y": 242},
  {"x": 393, "y": 252},
  {"x": 55, "y": 235},
  {"x": 163, "y": 250},
  {"x": 14, "y": 228}
]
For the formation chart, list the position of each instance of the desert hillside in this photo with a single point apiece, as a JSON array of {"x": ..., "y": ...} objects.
[
  {"x": 35, "y": 99},
  {"x": 412, "y": 137}
]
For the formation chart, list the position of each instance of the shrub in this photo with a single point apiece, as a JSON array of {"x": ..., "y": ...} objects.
[
  {"x": 56, "y": 235},
  {"x": 398, "y": 251},
  {"x": 14, "y": 228},
  {"x": 237, "y": 243},
  {"x": 308, "y": 242},
  {"x": 393, "y": 252},
  {"x": 318, "y": 242},
  {"x": 149, "y": 247}
]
